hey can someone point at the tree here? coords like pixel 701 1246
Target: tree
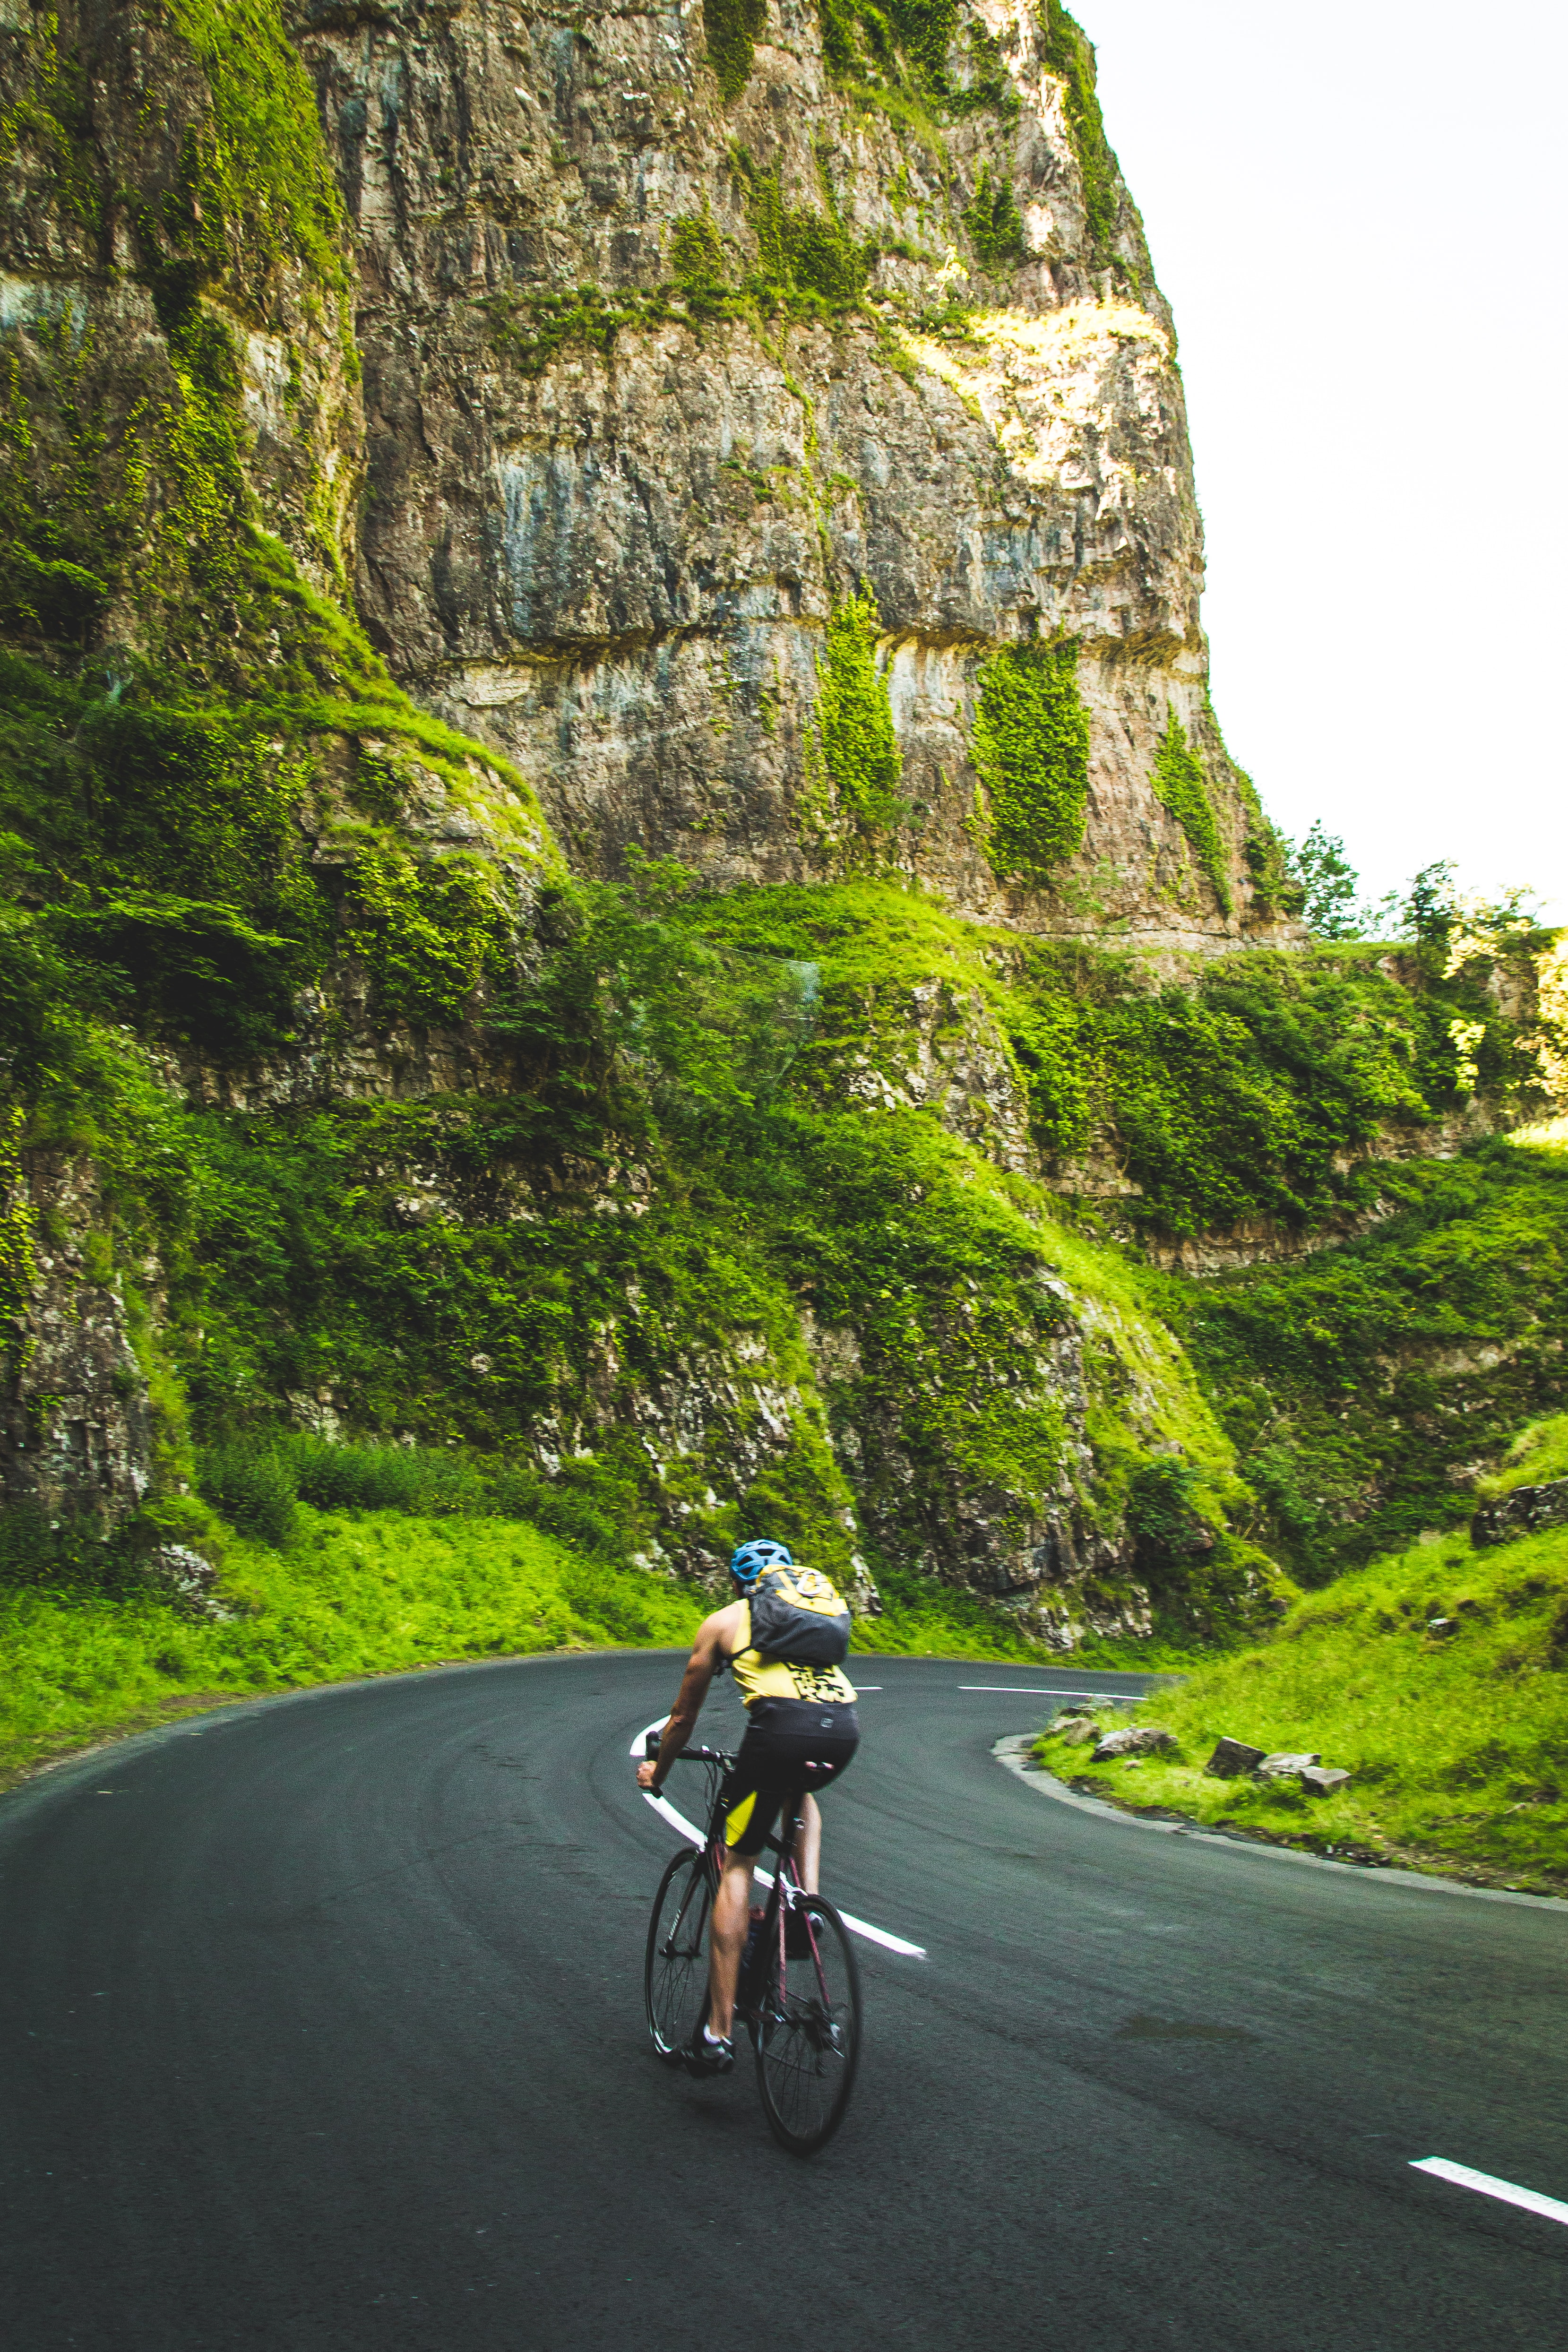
pixel 1329 884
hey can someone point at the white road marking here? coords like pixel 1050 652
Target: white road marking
pixel 1023 1690
pixel 863 1928
pixel 1488 2185
pixel 695 1836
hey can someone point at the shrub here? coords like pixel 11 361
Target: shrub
pixel 995 224
pixel 254 1489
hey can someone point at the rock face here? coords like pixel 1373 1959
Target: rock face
pixel 619 475
pixel 1522 1513
pixel 76 1428
pixel 762 430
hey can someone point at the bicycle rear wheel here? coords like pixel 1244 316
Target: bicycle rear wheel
pixel 675 1971
pixel 807 2033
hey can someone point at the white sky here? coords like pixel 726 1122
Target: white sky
pixel 1357 216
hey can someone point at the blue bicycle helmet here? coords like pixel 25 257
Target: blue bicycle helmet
pixel 748 1562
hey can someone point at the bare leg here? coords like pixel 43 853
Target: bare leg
pixel 726 1941
pixel 808 1844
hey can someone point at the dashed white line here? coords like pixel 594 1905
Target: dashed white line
pixel 694 1836
pixel 1487 2184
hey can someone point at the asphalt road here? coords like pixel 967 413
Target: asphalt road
pixel 321 2026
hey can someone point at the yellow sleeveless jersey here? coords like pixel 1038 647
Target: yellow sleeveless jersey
pixel 758 1678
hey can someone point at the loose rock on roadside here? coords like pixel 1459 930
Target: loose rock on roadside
pixel 1137 1739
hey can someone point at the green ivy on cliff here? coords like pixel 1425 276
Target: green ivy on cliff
pixel 256 188
pixel 52 112
pixel 1180 783
pixel 161 803
pixel 159 848
pixel 1070 55
pixel 808 266
pixel 901 58
pixel 1030 749
pixel 18 1225
pixel 995 224
pixel 733 29
pixel 1256 1091
pixel 696 253
pixel 801 252
pixel 857 799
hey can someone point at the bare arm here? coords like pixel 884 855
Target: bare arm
pixel 709 1653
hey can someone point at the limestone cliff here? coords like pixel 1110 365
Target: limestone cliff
pixel 679 332
pixel 657 377
pixel 450 454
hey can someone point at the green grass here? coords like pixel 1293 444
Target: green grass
pixel 1538 1456
pixel 355 1594
pixel 1458 1744
pixel 373 1592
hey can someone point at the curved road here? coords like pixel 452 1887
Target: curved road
pixel 321 2027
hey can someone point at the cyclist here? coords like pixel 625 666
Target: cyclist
pixel 783 1640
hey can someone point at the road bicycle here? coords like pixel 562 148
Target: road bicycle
pixel 799 1993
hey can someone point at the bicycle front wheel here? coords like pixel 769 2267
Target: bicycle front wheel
pixel 807 2033
pixel 675 1971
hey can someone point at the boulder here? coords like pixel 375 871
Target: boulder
pixel 1137 1739
pixel 1077 1733
pixel 1322 1780
pixel 1283 1766
pixel 1522 1513
pixel 186 1578
pixel 1232 1757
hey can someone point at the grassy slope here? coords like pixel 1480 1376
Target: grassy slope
pixel 379 1593
pixel 1538 1456
pixel 1362 1385
pixel 368 1593
pixel 1458 1744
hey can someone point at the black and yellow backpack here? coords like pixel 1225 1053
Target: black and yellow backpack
pixel 799 1614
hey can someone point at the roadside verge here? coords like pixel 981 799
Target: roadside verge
pixel 1014 1753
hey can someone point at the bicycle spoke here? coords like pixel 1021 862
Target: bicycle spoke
pixel 675 1969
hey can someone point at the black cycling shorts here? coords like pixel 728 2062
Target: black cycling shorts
pixel 791 1744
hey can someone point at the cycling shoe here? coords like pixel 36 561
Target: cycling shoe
pixel 704 2058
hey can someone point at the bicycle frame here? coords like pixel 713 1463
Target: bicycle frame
pixel 806 2033
pixel 784 1896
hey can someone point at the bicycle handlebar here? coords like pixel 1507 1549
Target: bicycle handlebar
pixel 685 1755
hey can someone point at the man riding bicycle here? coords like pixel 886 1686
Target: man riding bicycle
pixel 783 1640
